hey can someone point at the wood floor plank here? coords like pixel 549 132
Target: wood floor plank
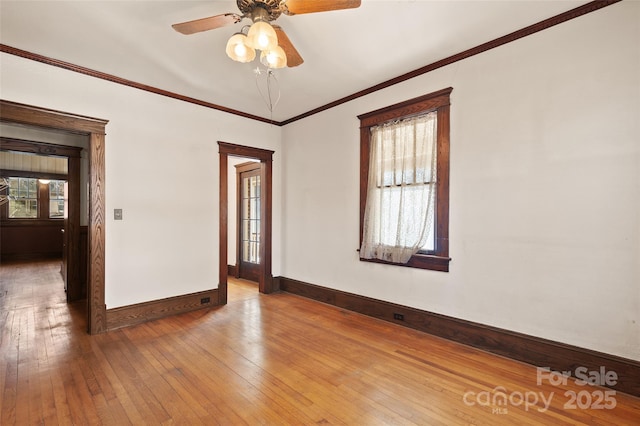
pixel 251 374
pixel 63 413
pixel 190 378
pixel 140 393
pixel 49 413
pixel 277 360
pixel 116 393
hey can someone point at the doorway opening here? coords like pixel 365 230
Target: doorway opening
pixel 94 129
pixel 41 214
pixel 258 242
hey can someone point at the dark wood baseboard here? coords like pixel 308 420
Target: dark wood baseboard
pixel 232 270
pixel 529 349
pixel 126 316
pixel 13 257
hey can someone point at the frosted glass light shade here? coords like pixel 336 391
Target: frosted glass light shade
pixel 238 50
pixel 262 36
pixel 274 58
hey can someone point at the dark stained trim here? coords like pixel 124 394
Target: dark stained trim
pixel 126 316
pixel 524 32
pixel 109 77
pixel 521 347
pixel 15 112
pixel 438 101
pixel 40 148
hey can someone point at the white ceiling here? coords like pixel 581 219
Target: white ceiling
pixel 344 51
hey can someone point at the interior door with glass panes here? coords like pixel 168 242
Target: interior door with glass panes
pixel 249 221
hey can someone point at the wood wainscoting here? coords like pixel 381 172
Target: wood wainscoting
pixel 28 240
pixel 138 313
pixel 232 270
pixel 521 347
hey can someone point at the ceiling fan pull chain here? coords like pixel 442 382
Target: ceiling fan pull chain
pixel 267 93
pixel 270 76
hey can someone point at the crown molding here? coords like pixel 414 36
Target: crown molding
pixel 516 35
pixel 500 41
pixel 109 77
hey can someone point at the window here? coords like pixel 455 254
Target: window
pixel 23 198
pixel 33 198
pixel 404 183
pixel 57 202
pixel 250 216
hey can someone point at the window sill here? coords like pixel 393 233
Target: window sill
pixel 420 261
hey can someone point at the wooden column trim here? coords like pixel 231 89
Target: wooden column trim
pixel 224 228
pixel 265 225
pixel 96 241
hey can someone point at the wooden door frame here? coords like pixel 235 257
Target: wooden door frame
pixel 94 128
pixel 265 281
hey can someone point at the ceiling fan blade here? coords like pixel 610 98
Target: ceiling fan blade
pixel 293 57
pixel 206 24
pixel 298 7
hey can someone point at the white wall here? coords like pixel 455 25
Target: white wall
pixel 545 189
pixel 162 169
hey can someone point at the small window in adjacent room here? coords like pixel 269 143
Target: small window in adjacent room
pixel 404 183
pixel 57 200
pixel 23 198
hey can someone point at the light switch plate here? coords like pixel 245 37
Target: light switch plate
pixel 117 214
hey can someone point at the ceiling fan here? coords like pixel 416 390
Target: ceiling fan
pixel 276 49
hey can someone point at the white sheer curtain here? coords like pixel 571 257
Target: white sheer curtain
pixel 401 189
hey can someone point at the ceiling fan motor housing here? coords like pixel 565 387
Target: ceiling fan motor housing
pixel 254 9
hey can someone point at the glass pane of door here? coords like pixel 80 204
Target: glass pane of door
pixel 250 236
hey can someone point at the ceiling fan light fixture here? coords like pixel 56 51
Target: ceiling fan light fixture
pixel 239 50
pixel 262 36
pixel 274 58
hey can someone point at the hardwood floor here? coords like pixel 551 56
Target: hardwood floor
pixel 276 360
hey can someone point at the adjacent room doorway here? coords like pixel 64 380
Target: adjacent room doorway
pixel 94 129
pixel 263 205
pixel 49 221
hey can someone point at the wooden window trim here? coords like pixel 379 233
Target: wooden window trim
pixel 437 101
